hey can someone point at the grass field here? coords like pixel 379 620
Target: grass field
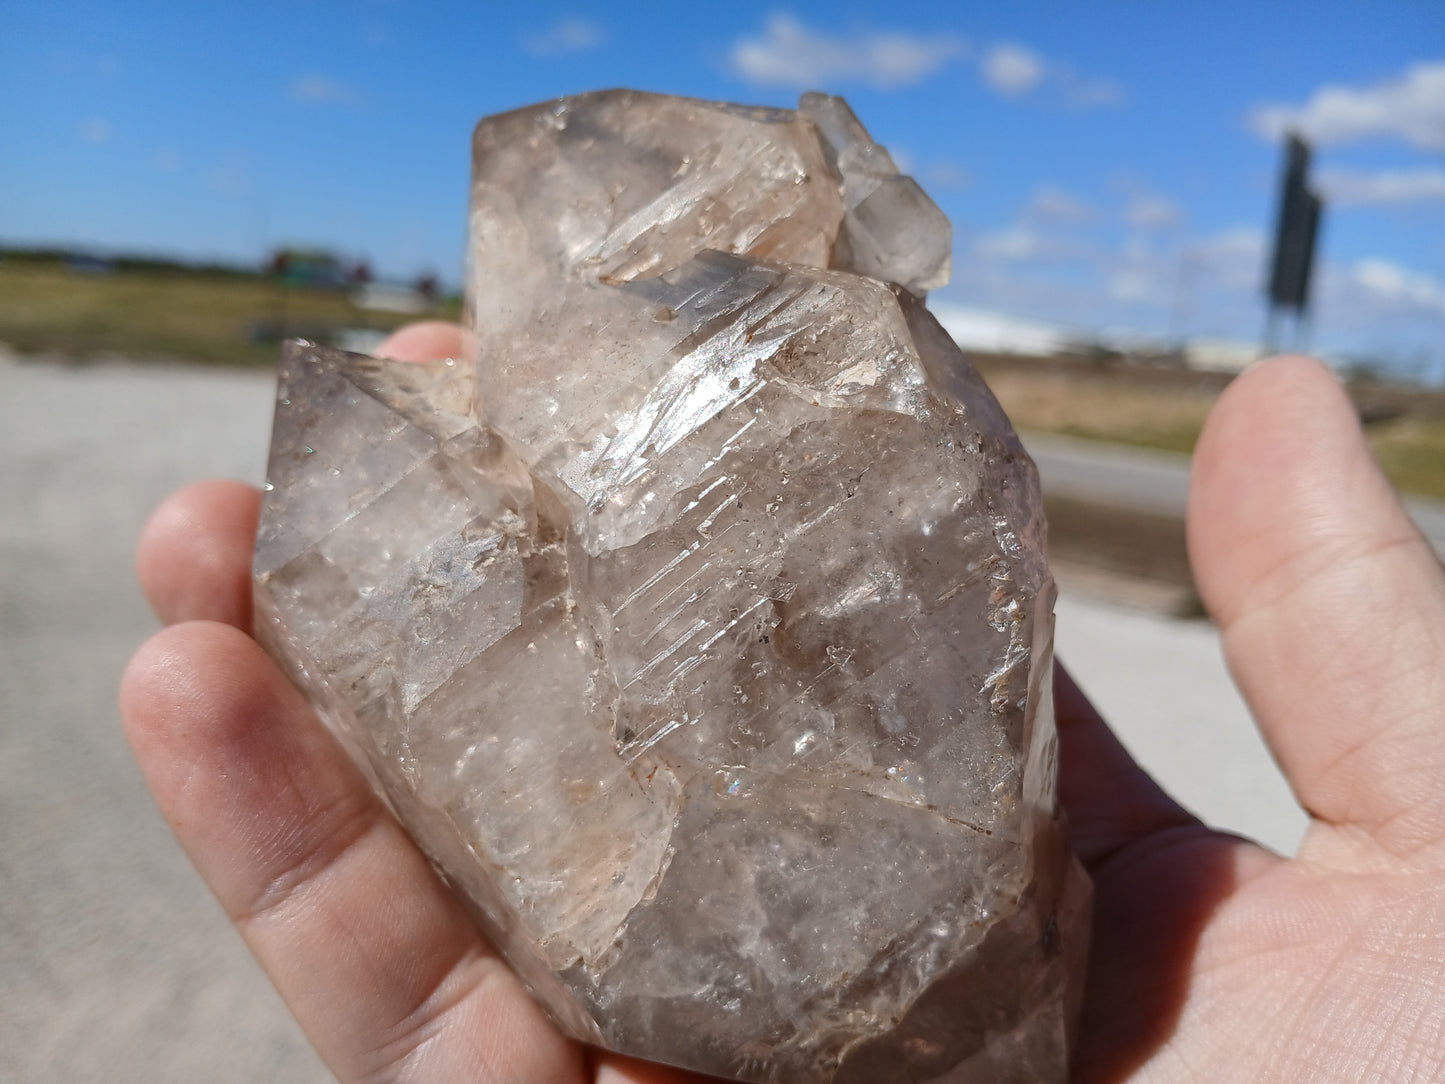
pixel 1410 447
pixel 194 316
pixel 1412 453
pixel 1100 407
pixel 230 318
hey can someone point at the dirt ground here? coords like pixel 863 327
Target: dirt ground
pixel 1138 556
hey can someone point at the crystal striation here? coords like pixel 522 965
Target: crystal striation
pixel 698 626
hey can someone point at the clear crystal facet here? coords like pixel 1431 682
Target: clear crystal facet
pixel 699 627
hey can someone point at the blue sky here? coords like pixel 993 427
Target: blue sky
pixel 1106 166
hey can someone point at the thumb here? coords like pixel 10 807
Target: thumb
pixel 1330 603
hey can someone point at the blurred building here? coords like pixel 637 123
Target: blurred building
pixel 986 332
pixel 1219 355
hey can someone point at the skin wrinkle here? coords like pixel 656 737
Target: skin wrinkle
pixel 1263 928
pixel 442 1013
pixel 1341 1029
pixel 1330 785
pixel 1413 833
pixel 1428 1034
pixel 1390 1032
pixel 1283 1015
pixel 1260 613
pixel 1350 850
pixel 408 1050
pixel 435 1001
pixel 1366 1039
pixel 1300 570
pixel 323 822
pixel 298 873
pixel 1319 790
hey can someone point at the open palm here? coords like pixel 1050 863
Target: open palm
pixel 1213 959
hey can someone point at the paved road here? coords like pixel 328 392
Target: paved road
pixel 115 964
pixel 1148 481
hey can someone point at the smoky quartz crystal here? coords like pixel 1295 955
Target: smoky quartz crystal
pixel 697 625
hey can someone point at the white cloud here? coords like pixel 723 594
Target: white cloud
pixel 1232 259
pixel 96 130
pixel 791 54
pixel 1383 187
pixel 1013 244
pixel 1141 208
pixel 1012 70
pixel 1089 93
pixel 320 90
pixel 931 173
pixel 1134 284
pixel 1410 107
pixel 1137 284
pixel 1236 241
pixel 948 175
pixel 1056 205
pixel 565 36
pixel 999 333
pixel 1145 211
pixel 229 178
pixel 376 34
pixel 1399 286
pixel 1138 273
pixel 904 160
pixel 1032 241
pixel 1209 286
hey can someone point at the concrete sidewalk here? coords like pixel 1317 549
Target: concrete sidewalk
pixel 115 964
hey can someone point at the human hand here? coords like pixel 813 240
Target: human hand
pixel 1213 959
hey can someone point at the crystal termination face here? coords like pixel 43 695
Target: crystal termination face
pixel 698 627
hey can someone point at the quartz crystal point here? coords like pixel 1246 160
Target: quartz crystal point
pixel 698 627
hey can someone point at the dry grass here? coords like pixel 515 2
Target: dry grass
pixel 193 316
pixel 1412 453
pixel 1102 408
pixel 1112 406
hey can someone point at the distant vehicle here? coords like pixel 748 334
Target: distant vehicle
pixel 301 267
pixel 84 263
